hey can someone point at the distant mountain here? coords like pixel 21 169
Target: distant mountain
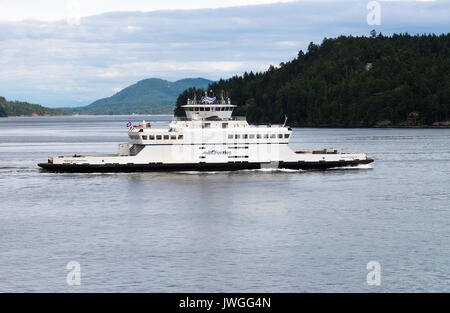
pixel 148 96
pixel 17 108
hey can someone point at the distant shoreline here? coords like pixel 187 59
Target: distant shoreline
pixel 447 126
pixel 36 115
pixel 368 126
pixel 86 115
pixel 381 127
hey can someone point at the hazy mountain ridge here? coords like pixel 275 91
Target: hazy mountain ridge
pixel 148 96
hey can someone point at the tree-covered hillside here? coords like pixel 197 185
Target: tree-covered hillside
pixel 18 108
pixel 2 112
pixel 148 96
pixel 350 81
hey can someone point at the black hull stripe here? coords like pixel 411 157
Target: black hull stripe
pixel 159 167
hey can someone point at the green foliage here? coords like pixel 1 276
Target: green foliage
pixel 184 96
pixel 349 81
pixel 17 108
pixel 2 111
pixel 149 96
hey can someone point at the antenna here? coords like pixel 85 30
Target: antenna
pixel 285 120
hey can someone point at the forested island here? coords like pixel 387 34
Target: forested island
pixel 18 108
pixel 400 80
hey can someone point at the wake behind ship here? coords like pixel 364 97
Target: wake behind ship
pixel 209 138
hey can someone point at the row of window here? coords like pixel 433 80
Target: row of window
pixel 196 109
pixel 230 157
pixel 160 137
pixel 258 136
pixel 230 136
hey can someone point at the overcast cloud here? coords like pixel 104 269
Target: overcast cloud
pixel 59 64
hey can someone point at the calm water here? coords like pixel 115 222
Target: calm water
pixel 224 232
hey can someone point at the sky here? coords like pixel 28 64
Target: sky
pixel 69 53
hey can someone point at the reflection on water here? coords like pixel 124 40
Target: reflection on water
pixel 274 231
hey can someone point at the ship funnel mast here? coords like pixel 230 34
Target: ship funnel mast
pixel 285 120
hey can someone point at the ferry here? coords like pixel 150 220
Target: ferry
pixel 209 138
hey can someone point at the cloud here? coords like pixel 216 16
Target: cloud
pixel 143 68
pixel 57 64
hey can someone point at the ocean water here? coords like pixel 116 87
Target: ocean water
pixel 246 231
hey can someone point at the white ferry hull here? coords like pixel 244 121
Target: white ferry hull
pixel 306 162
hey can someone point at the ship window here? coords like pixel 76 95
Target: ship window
pixel 244 136
pixel 202 109
pixel 252 136
pixel 237 136
pixel 207 125
pixel 166 137
pixel 224 125
pixel 286 135
pixel 272 136
pixel 180 137
pixel 266 136
pixel 158 137
pixel 144 137
pixel 196 109
pixel 230 136
pixel 280 135
pixel 173 137
pixel 151 137
pixel 207 109
pixel 258 136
